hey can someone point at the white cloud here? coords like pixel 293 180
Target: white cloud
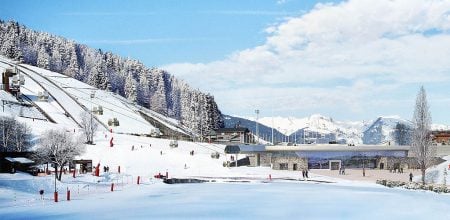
pixel 339 55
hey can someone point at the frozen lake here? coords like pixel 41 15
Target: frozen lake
pixel 245 201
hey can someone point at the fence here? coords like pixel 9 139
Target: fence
pixel 78 190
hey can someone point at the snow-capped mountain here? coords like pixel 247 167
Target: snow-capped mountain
pixel 382 130
pixel 317 129
pixel 313 129
pixel 322 129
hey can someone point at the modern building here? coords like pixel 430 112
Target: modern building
pixel 10 162
pixel 326 156
pixel 231 135
pixel 441 137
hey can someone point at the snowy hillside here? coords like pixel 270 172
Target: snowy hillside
pixel 70 98
pixel 151 88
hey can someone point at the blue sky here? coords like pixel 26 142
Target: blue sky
pixel 351 60
pixel 157 32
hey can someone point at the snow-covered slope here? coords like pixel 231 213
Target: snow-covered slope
pixel 70 98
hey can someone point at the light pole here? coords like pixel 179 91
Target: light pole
pixel 279 134
pixel 272 130
pixel 90 125
pixel 257 128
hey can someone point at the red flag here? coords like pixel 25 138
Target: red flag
pixel 111 144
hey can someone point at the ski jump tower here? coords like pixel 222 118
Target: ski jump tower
pixel 17 80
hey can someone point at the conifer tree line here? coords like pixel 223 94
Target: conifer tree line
pixel 152 88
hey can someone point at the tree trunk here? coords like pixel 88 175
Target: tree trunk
pixel 423 169
pixel 60 172
pixel 56 171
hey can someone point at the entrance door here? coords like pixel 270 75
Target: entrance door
pixel 294 167
pixel 335 164
pixel 381 166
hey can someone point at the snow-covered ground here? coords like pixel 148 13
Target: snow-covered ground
pixel 242 193
pixel 257 200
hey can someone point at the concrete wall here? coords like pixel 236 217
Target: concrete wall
pixel 301 163
pixel 269 159
pixel 442 150
pixel 393 162
pixel 260 159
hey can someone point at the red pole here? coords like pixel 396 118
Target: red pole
pixel 118 169
pixel 56 196
pixel 68 194
pixel 97 170
pixel 112 187
pixel 139 178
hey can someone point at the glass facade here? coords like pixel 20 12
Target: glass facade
pixel 349 159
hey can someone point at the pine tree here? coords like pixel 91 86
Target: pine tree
pixel 150 87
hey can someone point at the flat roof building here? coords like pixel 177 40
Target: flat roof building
pixel 325 156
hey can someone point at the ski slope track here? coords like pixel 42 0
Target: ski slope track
pixel 70 98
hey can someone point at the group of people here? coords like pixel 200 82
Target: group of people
pixel 396 170
pixel 191 152
pixel 105 169
pixel 142 146
pixel 305 173
pixel 341 171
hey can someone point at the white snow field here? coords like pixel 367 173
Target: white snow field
pixel 276 199
pixel 232 193
pixel 235 193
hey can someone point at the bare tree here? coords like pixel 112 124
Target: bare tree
pixel 89 126
pixel 58 148
pixel 7 127
pixel 421 139
pixel 22 137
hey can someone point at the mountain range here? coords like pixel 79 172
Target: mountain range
pixel 322 129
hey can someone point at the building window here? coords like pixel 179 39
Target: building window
pixel 283 166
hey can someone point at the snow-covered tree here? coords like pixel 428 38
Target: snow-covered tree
pixel 150 87
pixel 422 146
pixel 43 59
pixel 59 148
pixel 89 125
pixel 130 88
